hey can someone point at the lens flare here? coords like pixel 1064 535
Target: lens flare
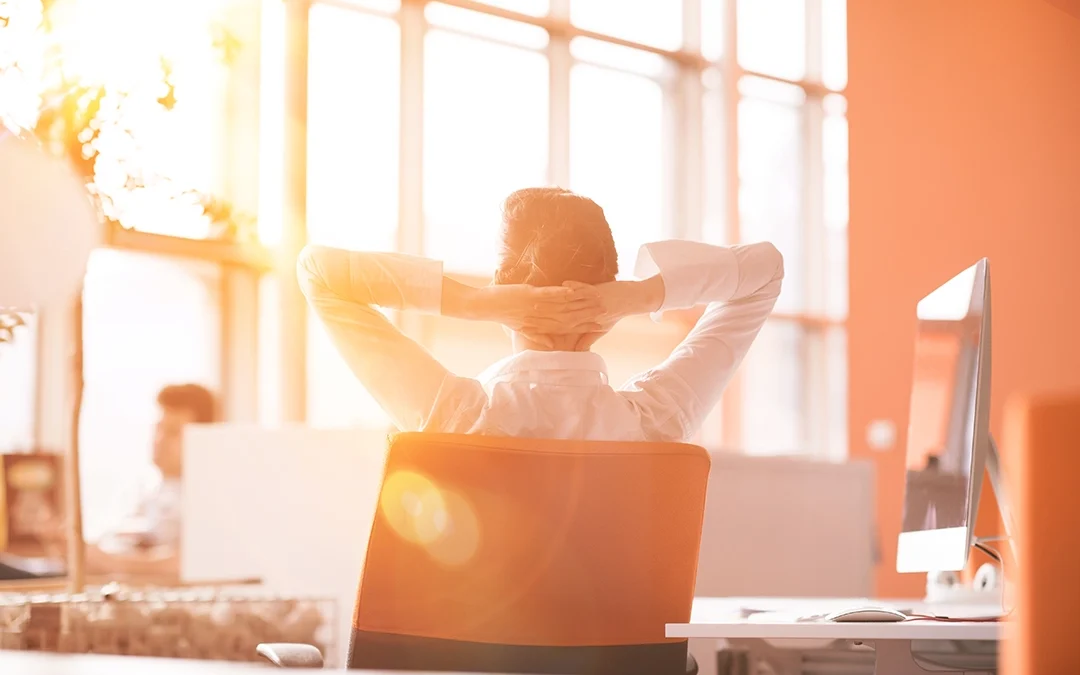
pixel 442 522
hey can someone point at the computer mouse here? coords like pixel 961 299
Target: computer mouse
pixel 867 615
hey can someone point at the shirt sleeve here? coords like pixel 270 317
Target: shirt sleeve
pixel 740 285
pixel 344 288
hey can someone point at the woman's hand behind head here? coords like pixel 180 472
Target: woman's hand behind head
pixel 620 299
pixel 544 315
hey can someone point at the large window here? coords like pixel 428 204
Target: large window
pixel 719 120
pixel 171 296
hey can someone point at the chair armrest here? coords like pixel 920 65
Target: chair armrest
pixel 287 655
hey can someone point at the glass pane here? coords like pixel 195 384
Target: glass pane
pixel 600 53
pixel 835 180
pixel 335 397
pixel 774 382
pixel 18 382
pixel 712 29
pixel 650 22
pixel 485 135
pixel 486 25
pixel 531 7
pixel 836 394
pixel 149 322
pixel 381 6
pixel 771 187
pixel 771 37
pixel 353 106
pixel 616 153
pixel 834 43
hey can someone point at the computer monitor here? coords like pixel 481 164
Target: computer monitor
pixel 948 440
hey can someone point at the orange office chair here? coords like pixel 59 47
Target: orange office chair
pixel 515 555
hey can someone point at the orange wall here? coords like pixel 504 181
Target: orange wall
pixel 965 142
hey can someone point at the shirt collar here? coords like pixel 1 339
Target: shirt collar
pixel 541 366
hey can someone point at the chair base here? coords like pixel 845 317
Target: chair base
pixel 288 655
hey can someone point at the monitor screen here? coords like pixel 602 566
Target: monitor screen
pixel 942 435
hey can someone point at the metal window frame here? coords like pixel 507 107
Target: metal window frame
pixel 683 191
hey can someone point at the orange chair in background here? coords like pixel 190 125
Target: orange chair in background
pixel 529 556
pixel 1042 439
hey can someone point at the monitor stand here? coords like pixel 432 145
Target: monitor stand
pixel 997 484
pixel 962 595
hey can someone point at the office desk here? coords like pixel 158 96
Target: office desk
pixel 775 624
pixel 37 663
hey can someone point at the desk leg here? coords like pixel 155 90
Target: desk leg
pixel 893 657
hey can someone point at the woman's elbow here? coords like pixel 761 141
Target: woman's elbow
pixel 311 262
pixel 772 258
pixel 308 260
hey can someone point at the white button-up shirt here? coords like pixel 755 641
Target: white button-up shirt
pixel 546 394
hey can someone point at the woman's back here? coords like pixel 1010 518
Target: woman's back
pixel 556 395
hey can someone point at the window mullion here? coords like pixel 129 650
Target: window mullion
pixel 294 315
pixel 239 293
pixel 691 25
pixel 410 232
pixel 816 403
pixel 682 198
pixel 560 64
pixel 813 206
pixel 410 235
pixel 732 401
pixel 814 49
pixel 815 390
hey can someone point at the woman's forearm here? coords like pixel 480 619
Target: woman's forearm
pixel 388 280
pixel 459 300
pixel 650 294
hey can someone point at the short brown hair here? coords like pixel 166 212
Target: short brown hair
pixel 552 235
pixel 191 397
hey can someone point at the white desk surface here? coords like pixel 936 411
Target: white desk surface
pixel 39 663
pixel 777 619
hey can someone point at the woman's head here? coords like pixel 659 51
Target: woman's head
pixel 551 236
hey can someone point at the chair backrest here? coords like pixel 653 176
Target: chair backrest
pixel 528 555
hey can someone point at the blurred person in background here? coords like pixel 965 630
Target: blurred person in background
pixel 147 543
pixel 555 290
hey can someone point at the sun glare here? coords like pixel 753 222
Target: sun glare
pixel 121 42
pixel 440 521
